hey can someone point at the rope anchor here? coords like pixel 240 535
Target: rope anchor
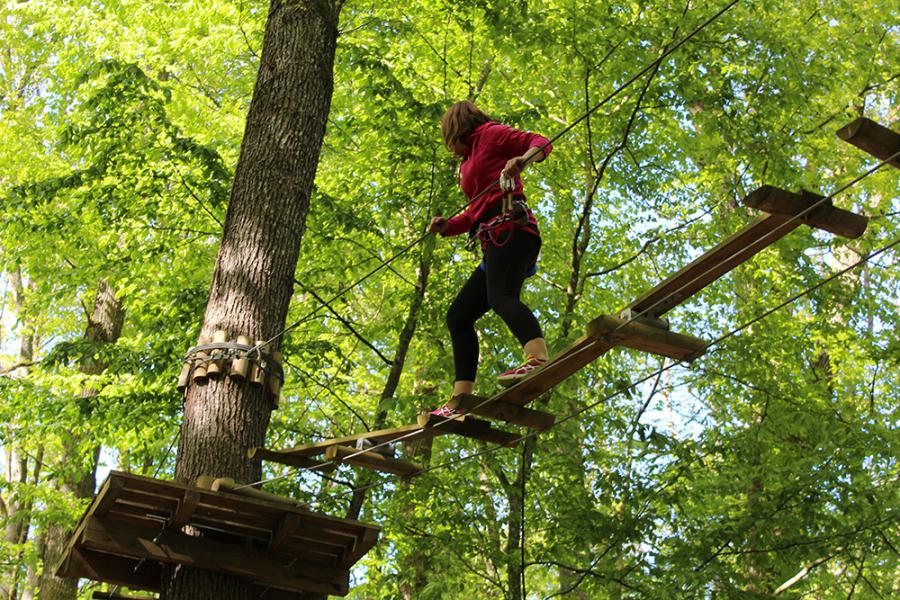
pixel 240 360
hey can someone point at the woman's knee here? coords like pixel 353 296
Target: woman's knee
pixel 459 318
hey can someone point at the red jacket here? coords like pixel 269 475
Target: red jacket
pixel 491 145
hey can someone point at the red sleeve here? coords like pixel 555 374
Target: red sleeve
pixel 458 224
pixel 514 142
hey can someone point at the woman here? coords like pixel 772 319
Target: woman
pixel 509 238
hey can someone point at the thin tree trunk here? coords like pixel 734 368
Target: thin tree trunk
pixel 253 279
pixel 104 327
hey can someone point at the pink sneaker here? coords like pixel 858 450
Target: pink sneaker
pixel 445 412
pixel 531 364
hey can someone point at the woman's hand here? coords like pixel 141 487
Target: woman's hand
pixel 514 166
pixel 438 224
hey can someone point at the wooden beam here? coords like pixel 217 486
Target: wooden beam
pixel 288 526
pixel 561 366
pixel 373 460
pixel 290 459
pixel 467 427
pixel 108 536
pixel 647 338
pixel 712 265
pixel 186 507
pixel 317 448
pixel 824 216
pixel 502 411
pixel 869 136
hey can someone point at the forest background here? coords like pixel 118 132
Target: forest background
pixel 768 467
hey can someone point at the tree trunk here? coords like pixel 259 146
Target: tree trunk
pixel 253 279
pixel 104 327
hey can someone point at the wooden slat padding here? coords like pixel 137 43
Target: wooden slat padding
pixel 809 208
pixel 502 411
pixel 558 368
pixel 712 265
pixel 467 427
pixel 869 136
pixel 372 460
pixel 647 338
pixel 103 535
pixel 376 437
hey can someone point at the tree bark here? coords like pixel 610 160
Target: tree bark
pixel 253 278
pixel 104 327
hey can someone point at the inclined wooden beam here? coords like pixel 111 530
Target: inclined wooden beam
pixel 502 411
pixel 467 427
pixel 185 510
pixel 319 447
pixel 869 136
pixel 642 336
pixel 558 368
pixel 809 208
pixel 373 460
pixel 287 527
pixel 710 266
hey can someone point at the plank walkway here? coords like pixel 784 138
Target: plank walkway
pixel 637 326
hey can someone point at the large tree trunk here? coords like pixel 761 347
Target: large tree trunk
pixel 253 279
pixel 104 326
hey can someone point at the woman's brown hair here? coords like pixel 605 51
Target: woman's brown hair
pixel 460 120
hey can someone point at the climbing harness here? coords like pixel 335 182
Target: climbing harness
pixel 513 215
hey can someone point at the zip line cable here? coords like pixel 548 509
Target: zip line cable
pixel 257 348
pixel 595 341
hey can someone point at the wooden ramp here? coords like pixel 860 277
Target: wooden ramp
pixel 133 529
pixel 637 326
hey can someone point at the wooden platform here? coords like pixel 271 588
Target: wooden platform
pixel 134 527
pixel 869 136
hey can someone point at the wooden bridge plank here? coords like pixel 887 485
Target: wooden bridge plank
pixel 869 136
pixel 712 265
pixel 469 427
pixel 372 460
pixel 639 335
pixel 502 411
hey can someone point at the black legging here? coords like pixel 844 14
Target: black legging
pixel 496 287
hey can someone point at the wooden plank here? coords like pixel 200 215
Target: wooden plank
pixel 117 570
pixel 103 535
pixel 647 338
pixel 809 208
pixel 292 460
pixel 186 507
pixel 110 596
pixel 107 496
pixel 289 525
pixel 371 459
pixel 561 366
pixel 712 265
pixel 502 411
pixel 364 544
pixel 869 136
pixel 376 437
pixel 469 427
